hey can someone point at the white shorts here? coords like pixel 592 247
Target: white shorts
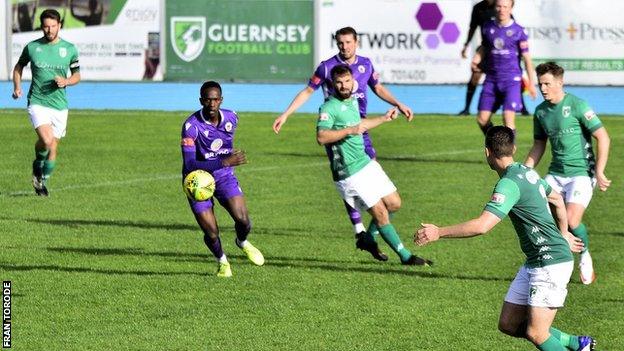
pixel 40 115
pixel 541 286
pixel 577 189
pixel 365 188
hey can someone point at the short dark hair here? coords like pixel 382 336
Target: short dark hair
pixel 549 67
pixel 50 13
pixel 500 141
pixel 345 31
pixel 339 70
pixel 211 84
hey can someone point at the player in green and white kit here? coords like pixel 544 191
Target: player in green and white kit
pixel 50 59
pixel 361 181
pixel 540 287
pixel 570 124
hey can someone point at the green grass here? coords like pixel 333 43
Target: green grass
pixel 114 260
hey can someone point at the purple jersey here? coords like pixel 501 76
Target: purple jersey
pixel 503 48
pixel 363 74
pixel 209 142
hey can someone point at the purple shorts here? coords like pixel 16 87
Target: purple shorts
pixel 368 146
pixel 505 93
pixel 226 187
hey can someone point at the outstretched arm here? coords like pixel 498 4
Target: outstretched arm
pixel 386 96
pixel 478 226
pixel 536 153
pixel 297 102
pixel 604 142
pixel 328 136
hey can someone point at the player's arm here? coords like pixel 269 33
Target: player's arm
pixel 477 58
pixel 559 212
pixel 328 136
pixel 528 65
pixel 324 135
pixel 536 153
pixel 17 81
pixel 604 142
pixel 74 78
pixel 297 102
pixel 474 23
pixel 387 96
pixel 477 226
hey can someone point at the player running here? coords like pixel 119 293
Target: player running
pixel 208 144
pixel 570 124
pixel 364 75
pixel 540 286
pixel 50 58
pixel 361 181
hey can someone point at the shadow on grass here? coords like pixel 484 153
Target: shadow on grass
pixel 368 266
pixel 414 158
pixel 50 267
pixel 227 229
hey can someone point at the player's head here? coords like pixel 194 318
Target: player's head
pixel 346 40
pixel 550 80
pixel 503 10
pixel 210 97
pixel 499 143
pixel 50 24
pixel 342 79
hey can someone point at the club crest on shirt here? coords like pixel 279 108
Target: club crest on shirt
pixel 499 43
pixel 498 198
pixel 216 144
pixel 228 126
pixel 589 115
pixel 62 52
pixel 565 111
pixel 361 69
pixel 509 32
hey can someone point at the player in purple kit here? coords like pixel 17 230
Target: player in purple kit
pixel 364 75
pixel 207 143
pixel 504 43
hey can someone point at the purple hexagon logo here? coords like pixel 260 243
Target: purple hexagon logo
pixel 449 32
pixel 429 16
pixel 432 41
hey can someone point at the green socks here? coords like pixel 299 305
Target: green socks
pixel 551 344
pixel 391 237
pixel 566 340
pixel 581 233
pixel 48 167
pixel 40 159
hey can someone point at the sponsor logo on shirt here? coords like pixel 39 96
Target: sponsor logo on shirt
pixel 323 117
pixel 228 126
pixel 566 111
pixel 216 144
pixel 589 115
pixel 315 80
pixel 188 142
pixel 499 43
pixel 498 198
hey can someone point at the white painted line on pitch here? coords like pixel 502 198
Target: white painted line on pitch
pixel 242 170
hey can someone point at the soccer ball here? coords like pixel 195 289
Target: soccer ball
pixel 199 185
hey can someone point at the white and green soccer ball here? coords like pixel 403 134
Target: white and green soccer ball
pixel 199 185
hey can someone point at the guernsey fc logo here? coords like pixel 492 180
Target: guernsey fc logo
pixel 566 111
pixel 188 36
pixel 62 52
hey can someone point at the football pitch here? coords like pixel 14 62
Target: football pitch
pixel 113 259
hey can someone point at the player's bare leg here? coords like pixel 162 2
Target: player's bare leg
pixel 577 228
pixel 484 120
pixel 509 120
pixel 237 209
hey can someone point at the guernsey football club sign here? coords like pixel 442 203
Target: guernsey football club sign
pixel 188 36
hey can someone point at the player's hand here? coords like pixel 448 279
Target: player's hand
pixel 361 128
pixel 406 111
pixel 391 114
pixel 426 234
pixel 602 182
pixel 17 93
pixel 236 158
pixel 61 82
pixel 474 66
pixel 279 121
pixel 532 91
pixel 576 244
